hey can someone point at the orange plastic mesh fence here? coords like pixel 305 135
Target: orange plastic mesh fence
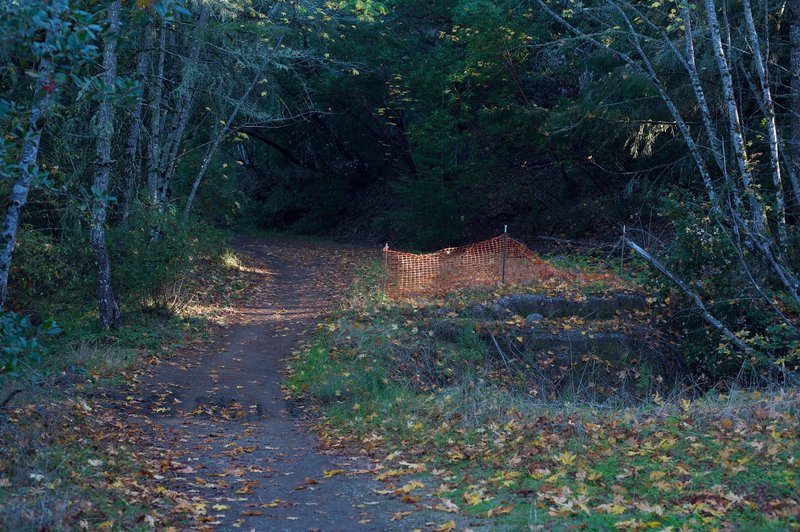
pixel 479 264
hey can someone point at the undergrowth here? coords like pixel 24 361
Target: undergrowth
pixel 67 461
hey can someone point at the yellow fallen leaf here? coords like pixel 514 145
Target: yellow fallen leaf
pixel 274 504
pixel 411 486
pixel 221 507
pixel 399 515
pixel 450 525
pixel 566 458
pixel 500 510
pixel 472 498
pixel 392 473
pixel 332 473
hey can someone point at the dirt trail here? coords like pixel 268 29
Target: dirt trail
pixel 225 417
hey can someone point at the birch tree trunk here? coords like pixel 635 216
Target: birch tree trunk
pixel 106 299
pixel 734 122
pixel 705 111
pixel 184 108
pixel 42 99
pixel 772 130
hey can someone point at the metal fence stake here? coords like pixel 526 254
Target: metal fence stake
pixel 505 251
pixel 385 268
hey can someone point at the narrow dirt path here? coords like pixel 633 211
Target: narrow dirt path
pixel 243 454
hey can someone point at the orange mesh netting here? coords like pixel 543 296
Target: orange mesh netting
pixel 478 264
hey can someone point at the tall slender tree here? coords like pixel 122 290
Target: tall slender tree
pixel 108 306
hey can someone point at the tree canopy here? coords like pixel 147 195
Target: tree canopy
pixel 132 127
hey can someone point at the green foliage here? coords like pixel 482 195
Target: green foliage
pixel 220 200
pixel 20 341
pixel 69 45
pixel 465 117
pixel 433 215
pixel 47 265
pixel 701 244
pixel 151 265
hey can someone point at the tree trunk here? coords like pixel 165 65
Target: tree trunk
pixel 734 123
pixel 707 316
pixel 691 66
pixel 106 299
pixel 772 130
pixel 184 107
pixel 216 144
pixel 794 101
pixel 30 150
pixel 132 168
pixel 154 143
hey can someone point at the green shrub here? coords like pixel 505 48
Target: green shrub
pixel 47 265
pixel 702 251
pixel 155 253
pixel 20 341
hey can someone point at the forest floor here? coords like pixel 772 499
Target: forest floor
pixel 238 448
pixel 313 403
pixel 183 423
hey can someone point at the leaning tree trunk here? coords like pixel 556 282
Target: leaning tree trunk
pixel 106 299
pixel 30 151
pixel 216 144
pixel 183 112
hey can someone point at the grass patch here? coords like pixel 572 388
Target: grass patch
pixel 389 381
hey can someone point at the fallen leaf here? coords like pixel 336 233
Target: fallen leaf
pixel 499 510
